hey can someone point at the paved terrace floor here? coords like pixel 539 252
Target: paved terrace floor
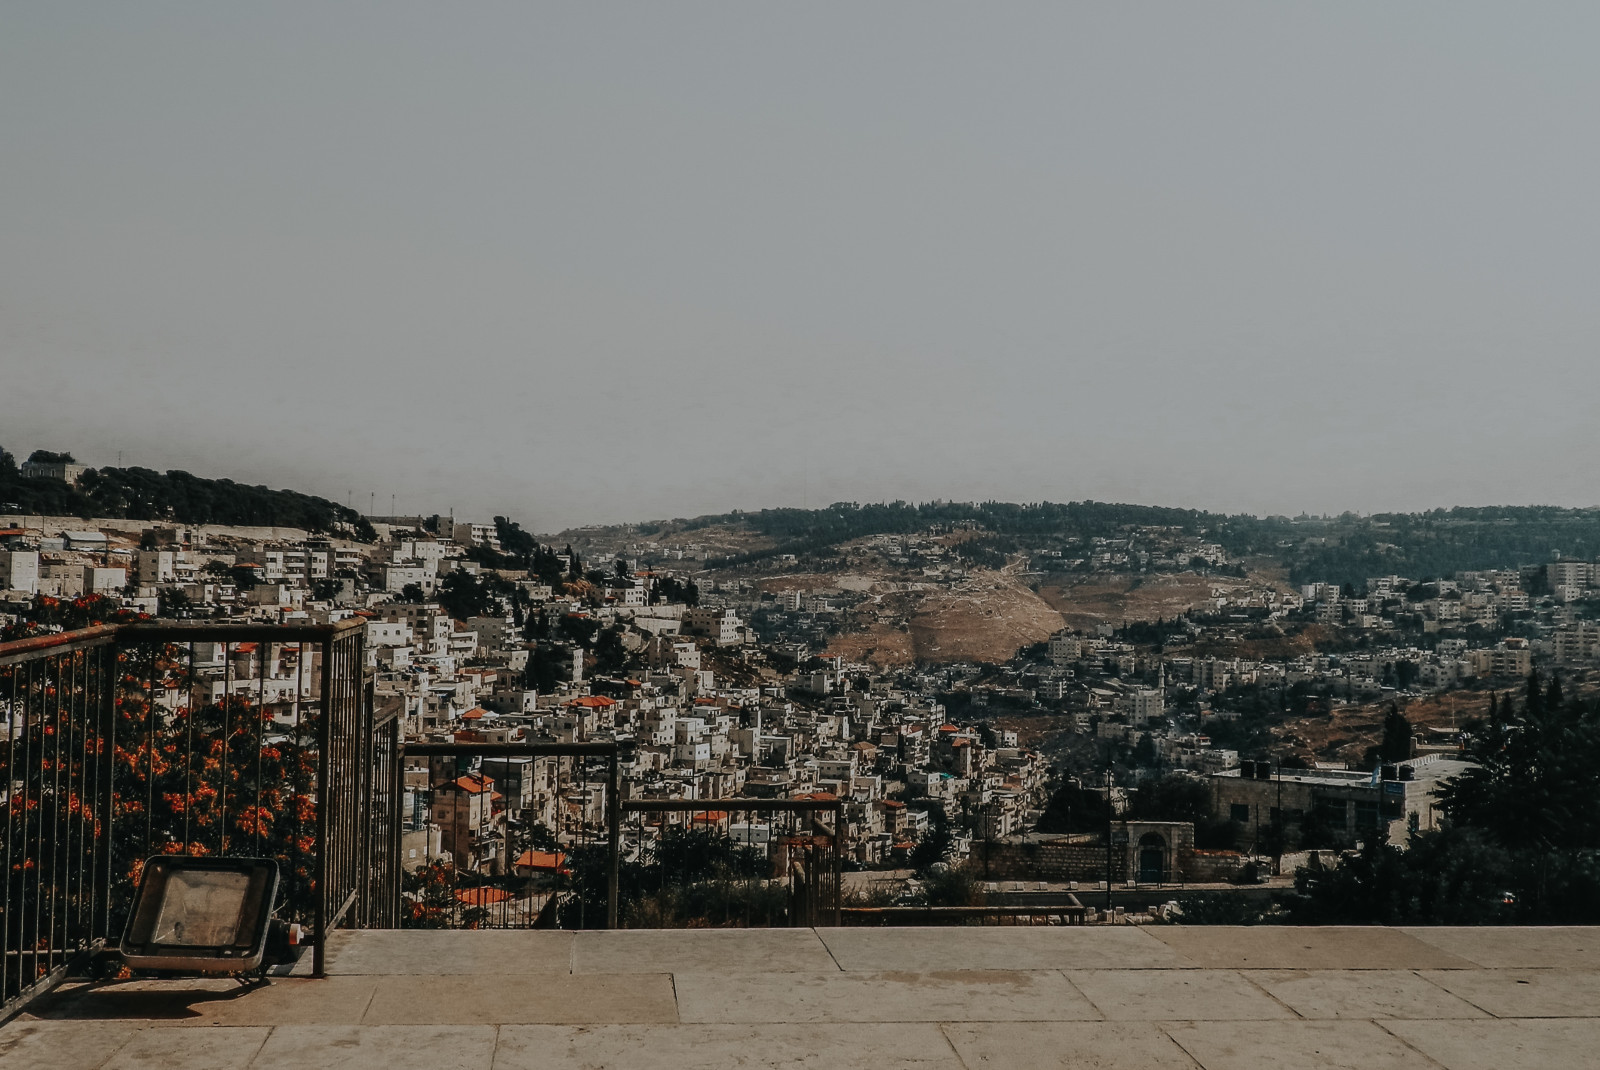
pixel 1114 998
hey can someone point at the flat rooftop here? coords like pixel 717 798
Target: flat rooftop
pixel 1136 997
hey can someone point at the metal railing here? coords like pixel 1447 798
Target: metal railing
pixel 1066 912
pixel 545 862
pixel 732 862
pixel 56 788
pixel 122 742
pixel 127 741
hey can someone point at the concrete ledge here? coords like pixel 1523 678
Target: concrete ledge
pixel 1113 998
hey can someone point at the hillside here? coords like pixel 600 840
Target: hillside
pixel 1339 549
pixel 176 497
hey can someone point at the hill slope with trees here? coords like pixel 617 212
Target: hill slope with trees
pixel 174 496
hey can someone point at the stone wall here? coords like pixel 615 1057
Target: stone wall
pixel 1049 861
pixel 1074 860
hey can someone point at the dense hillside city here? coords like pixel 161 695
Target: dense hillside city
pixel 976 682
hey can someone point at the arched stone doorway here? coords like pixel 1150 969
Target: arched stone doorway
pixel 1152 858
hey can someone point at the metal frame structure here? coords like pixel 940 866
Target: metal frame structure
pixel 85 725
pixel 106 727
pixel 606 750
pixel 815 877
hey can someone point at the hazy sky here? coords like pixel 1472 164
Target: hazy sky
pixel 597 262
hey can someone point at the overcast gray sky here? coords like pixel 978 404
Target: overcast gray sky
pixel 598 262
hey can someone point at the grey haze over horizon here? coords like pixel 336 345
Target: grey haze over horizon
pixel 590 264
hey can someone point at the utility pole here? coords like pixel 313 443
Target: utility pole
pixel 1110 813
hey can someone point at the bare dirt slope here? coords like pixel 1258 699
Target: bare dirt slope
pixel 985 618
pixel 1100 598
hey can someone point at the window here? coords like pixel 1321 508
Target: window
pixel 1366 815
pixel 1330 812
pixel 1239 812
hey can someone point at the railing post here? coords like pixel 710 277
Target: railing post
pixel 392 888
pixel 366 756
pixel 838 863
pixel 324 799
pixel 614 832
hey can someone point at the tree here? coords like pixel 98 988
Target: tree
pixel 1144 752
pixel 1536 781
pixel 1396 745
pixel 1449 877
pixel 430 902
pixel 547 664
pixel 1073 808
pixel 171 601
pixel 1521 837
pixel 610 655
pixel 412 592
pixel 932 848
pixel 514 541
pixel 464 596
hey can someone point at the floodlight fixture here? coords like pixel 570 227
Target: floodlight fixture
pixel 206 915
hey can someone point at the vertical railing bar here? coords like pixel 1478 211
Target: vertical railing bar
pixel 50 733
pixel 363 772
pixel 297 776
pixel 68 900
pixel 83 782
pixel 27 804
pixel 61 820
pixel 150 754
pixel 396 797
pixel 97 821
pixel 260 740
pixel 11 805
pixel 82 693
pixel 341 833
pixel 319 948
pixel 53 727
pixel 188 754
pixel 104 765
pixel 226 761
pixel 614 831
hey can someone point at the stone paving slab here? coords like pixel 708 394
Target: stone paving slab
pixel 490 1000
pixel 961 995
pixel 212 1002
pixel 396 1047
pixel 1517 946
pixel 700 951
pixel 1525 993
pixel 1067 1046
pixel 1300 1045
pixel 1361 994
pixel 1305 947
pixel 445 951
pixel 1160 995
pixel 1505 1044
pixel 33 1045
pixel 1000 948
pixel 853 1046
pixel 225 1048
